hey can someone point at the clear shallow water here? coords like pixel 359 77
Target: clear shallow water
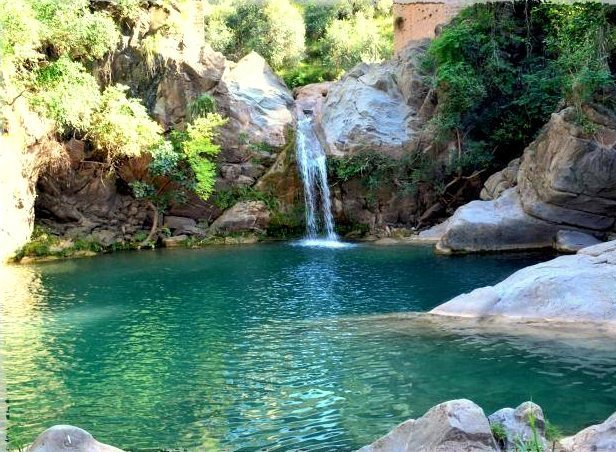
pixel 267 347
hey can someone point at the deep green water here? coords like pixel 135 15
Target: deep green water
pixel 267 347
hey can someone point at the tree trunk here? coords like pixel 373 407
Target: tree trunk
pixel 154 225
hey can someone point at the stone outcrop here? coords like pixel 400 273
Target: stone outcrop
pixel 578 288
pixel 25 149
pixel 568 175
pixel 566 181
pixel 66 438
pixel 497 225
pixel 573 241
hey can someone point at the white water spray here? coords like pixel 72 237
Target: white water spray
pixel 313 169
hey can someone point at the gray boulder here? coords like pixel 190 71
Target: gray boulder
pixel 573 241
pixel 596 438
pixel 457 425
pixel 517 424
pixel 578 288
pixel 496 225
pixel 244 216
pixel 66 438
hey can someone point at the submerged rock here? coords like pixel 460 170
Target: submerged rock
pixel 66 438
pixel 578 288
pixel 454 425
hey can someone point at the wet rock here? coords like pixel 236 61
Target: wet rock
pixel 244 216
pixel 573 241
pixel 503 180
pixel 458 425
pixel 578 288
pixel 517 423
pixel 596 438
pixel 61 438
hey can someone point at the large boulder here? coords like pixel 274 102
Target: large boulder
pixel 66 438
pixel 596 438
pixel 496 225
pixel 577 288
pixel 568 175
pixel 376 108
pixel 457 425
pixel 244 216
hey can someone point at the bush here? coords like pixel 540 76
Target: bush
pixel 351 41
pixel 69 28
pixel 274 29
pixel 121 126
pixel 19 31
pixel 64 92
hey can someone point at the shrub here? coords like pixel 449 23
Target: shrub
pixel 121 126
pixel 200 150
pixel 69 28
pixel 19 31
pixel 64 92
pixel 351 41
pixel 274 29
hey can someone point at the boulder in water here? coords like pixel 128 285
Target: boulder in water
pixel 66 438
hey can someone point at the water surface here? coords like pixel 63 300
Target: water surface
pixel 267 347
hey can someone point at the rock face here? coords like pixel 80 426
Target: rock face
pixel 61 438
pixel 600 437
pixel 568 177
pixel 458 425
pixel 80 200
pixel 579 288
pixel 519 423
pixel 566 181
pixel 25 148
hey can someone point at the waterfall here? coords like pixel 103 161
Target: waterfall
pixel 313 170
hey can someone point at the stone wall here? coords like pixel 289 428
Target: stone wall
pixel 415 20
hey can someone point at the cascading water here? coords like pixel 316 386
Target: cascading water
pixel 313 170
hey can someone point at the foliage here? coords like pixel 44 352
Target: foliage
pixel 121 126
pixel 499 433
pixel 228 198
pixel 199 151
pixel 274 29
pixel 19 31
pixel 66 93
pixel 201 106
pixel 69 28
pixel 354 40
pixel 500 70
